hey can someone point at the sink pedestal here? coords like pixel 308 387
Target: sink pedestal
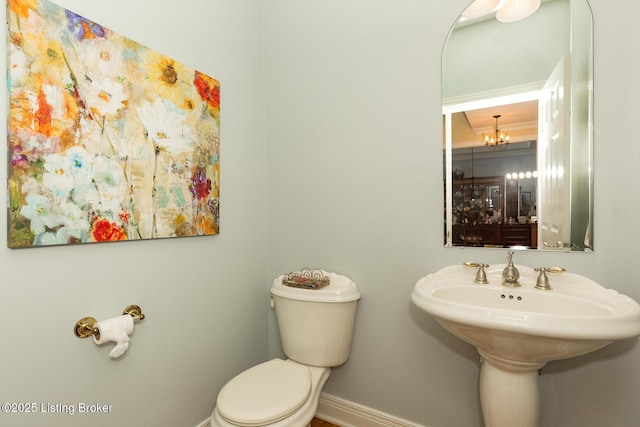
pixel 509 392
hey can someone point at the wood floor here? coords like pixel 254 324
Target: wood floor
pixel 317 422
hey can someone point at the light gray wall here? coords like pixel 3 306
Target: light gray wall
pixel 355 186
pixel 205 298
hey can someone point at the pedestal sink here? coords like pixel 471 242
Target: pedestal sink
pixel 517 330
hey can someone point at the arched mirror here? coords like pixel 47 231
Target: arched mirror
pixel 517 85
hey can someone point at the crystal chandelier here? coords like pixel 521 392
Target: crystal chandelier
pixel 498 140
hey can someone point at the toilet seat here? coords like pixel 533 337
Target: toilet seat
pixel 265 394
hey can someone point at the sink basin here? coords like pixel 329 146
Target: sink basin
pixel 517 330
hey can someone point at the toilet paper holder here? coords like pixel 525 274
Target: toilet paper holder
pixel 85 327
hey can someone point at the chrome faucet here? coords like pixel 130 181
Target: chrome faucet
pixel 510 274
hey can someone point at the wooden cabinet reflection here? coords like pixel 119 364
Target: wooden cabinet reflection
pixel 496 235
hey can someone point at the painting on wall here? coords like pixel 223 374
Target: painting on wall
pixel 108 140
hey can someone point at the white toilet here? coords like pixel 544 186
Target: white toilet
pixel 316 327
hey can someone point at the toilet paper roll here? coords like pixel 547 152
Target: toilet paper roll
pixel 116 329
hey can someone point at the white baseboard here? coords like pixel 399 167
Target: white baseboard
pixel 344 413
pixel 349 414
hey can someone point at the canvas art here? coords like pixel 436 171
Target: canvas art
pixel 108 140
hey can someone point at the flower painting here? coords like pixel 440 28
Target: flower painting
pixel 108 140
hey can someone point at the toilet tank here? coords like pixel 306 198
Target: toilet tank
pixel 316 325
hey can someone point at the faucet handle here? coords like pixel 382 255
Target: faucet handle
pixel 481 275
pixel 543 280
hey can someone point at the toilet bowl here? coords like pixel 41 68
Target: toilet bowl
pixel 277 393
pixel 316 328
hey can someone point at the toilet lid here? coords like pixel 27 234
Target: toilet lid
pixel 265 393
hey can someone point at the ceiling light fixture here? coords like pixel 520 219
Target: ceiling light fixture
pixel 499 139
pixel 480 8
pixel 515 10
pixel 506 10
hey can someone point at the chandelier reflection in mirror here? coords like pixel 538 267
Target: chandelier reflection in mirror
pixel 498 140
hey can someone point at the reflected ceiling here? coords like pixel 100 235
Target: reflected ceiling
pixel 519 120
